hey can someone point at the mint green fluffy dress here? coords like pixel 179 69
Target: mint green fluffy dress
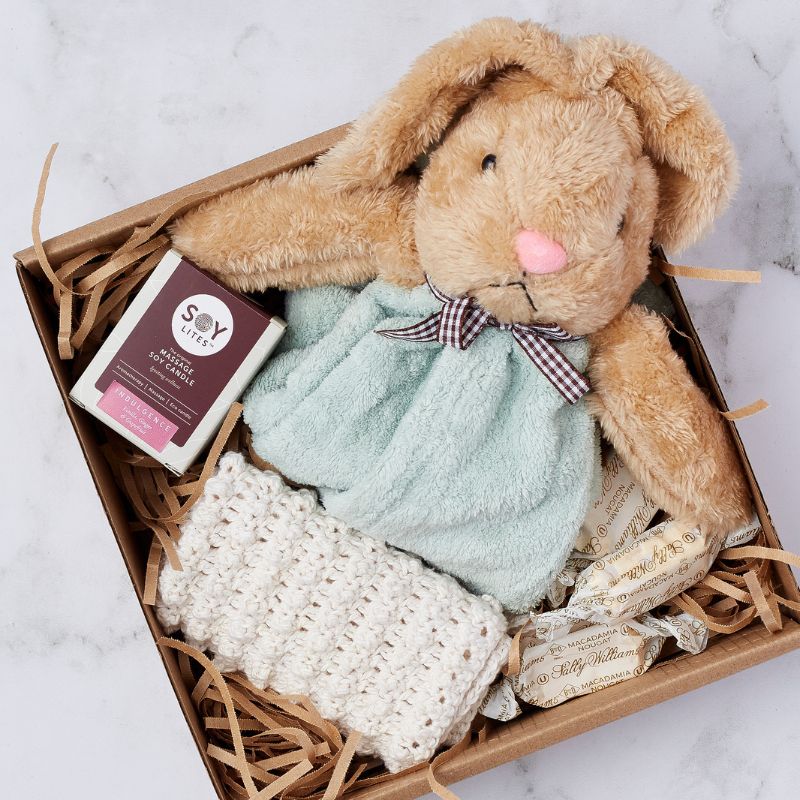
pixel 467 458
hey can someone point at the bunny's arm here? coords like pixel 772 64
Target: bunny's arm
pixel 291 231
pixel 663 426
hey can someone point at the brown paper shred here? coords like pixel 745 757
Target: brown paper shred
pixel 185 666
pixel 334 788
pixel 44 263
pixel 746 411
pixel 170 499
pixel 105 279
pixel 141 235
pixel 99 309
pixel 284 782
pixel 715 583
pixel 230 760
pixel 266 744
pixel 160 500
pixel 690 343
pixel 257 461
pixel 794 605
pixel 287 748
pixel 151 571
pixel 219 681
pixel 117 263
pixel 439 761
pixel 759 599
pixel 709 274
pixel 514 662
pixel 135 458
pixel 65 322
pixel 254 457
pixel 322 749
pixel 726 625
pixel 738 589
pixel 81 265
pixel 483 731
pixel 758 551
pixel 202 689
pixel 228 424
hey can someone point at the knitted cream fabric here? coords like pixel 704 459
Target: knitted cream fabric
pixel 277 588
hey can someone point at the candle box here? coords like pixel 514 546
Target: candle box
pixel 182 352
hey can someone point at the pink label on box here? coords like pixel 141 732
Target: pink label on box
pixel 141 419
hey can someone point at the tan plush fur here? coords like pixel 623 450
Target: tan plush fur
pixel 662 425
pixel 598 144
pixel 289 232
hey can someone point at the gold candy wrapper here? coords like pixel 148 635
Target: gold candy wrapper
pixel 690 634
pixel 620 513
pixel 585 660
pixel 500 702
pixel 653 568
pixel 589 658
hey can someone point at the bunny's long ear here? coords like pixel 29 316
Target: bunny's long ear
pixel 685 139
pixel 412 116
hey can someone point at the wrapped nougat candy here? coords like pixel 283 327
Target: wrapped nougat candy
pixel 690 633
pixel 618 515
pixel 586 659
pixel 589 658
pixel 500 702
pixel 652 569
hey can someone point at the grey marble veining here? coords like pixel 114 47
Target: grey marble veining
pixel 145 97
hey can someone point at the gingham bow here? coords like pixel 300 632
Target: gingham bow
pixel 461 320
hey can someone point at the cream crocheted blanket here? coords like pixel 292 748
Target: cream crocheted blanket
pixel 275 587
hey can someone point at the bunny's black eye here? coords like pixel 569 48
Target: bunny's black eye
pixel 621 225
pixel 489 162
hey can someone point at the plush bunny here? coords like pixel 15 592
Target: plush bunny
pixel 465 432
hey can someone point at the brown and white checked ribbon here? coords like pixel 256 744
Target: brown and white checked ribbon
pixel 461 320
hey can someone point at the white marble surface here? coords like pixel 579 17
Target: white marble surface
pixel 145 97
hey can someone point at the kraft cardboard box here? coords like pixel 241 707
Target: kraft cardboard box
pixel 534 731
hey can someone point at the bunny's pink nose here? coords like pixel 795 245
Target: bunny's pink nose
pixel 538 253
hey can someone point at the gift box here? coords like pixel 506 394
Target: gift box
pixel 535 729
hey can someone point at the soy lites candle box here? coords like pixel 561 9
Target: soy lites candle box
pixel 184 350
